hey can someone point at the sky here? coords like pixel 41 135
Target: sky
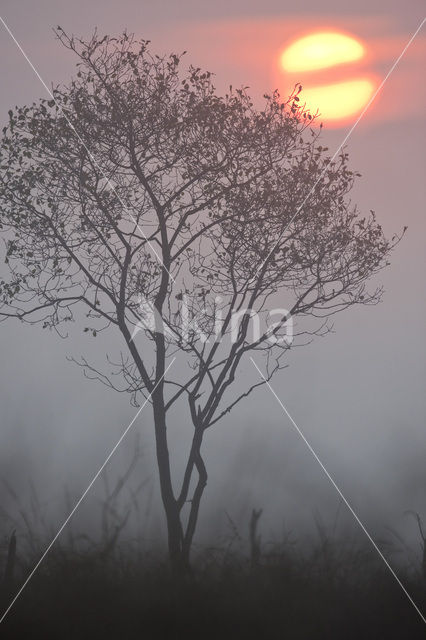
pixel 357 395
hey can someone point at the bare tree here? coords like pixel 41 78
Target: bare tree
pixel 139 187
pixel 422 534
pixel 255 539
pixel 8 579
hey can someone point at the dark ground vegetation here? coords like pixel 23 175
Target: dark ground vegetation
pixel 337 588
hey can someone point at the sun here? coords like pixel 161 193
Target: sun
pixel 321 50
pixel 339 95
pixel 340 100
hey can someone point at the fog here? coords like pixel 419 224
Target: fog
pixel 357 394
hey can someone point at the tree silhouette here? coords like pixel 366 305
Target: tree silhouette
pixel 165 211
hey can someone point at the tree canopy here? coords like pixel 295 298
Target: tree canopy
pixel 137 182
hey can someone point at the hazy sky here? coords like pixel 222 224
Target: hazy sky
pixel 358 395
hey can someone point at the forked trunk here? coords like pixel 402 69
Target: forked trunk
pixel 171 508
pixel 179 539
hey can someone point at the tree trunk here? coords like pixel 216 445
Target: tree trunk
pixel 171 507
pixel 179 540
pixel 195 505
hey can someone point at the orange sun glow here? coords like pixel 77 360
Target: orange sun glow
pixel 338 100
pixel 321 50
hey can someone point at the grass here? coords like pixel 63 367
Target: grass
pixel 335 589
pixel 108 585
